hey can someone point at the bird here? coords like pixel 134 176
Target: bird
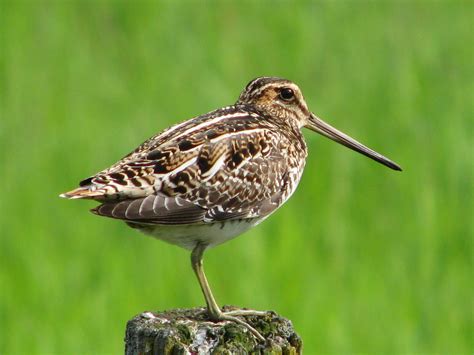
pixel 209 179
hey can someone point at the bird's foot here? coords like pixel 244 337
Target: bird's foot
pixel 232 316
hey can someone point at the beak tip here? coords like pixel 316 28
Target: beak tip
pixel 395 166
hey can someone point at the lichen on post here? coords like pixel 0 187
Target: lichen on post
pixel 187 331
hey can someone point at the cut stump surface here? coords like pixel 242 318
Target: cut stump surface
pixel 187 331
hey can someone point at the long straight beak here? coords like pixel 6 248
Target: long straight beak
pixel 318 125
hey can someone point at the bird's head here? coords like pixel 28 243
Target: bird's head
pixel 276 97
pixel 282 99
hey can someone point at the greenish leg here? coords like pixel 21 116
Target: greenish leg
pixel 213 309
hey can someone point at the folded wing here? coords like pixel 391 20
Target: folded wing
pixel 213 173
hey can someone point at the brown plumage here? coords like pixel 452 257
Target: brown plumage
pixel 206 180
pixel 233 163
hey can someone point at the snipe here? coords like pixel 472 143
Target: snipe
pixel 207 180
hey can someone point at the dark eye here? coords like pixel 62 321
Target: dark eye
pixel 287 94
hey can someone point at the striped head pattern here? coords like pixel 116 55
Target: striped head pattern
pixel 279 98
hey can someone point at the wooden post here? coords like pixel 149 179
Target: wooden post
pixel 186 331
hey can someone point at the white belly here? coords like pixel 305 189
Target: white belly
pixel 187 236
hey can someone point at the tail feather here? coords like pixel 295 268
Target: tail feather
pixel 84 193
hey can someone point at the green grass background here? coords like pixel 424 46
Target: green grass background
pixel 362 259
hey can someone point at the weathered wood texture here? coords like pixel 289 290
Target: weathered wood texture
pixel 186 331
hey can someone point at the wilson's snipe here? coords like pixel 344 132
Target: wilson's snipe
pixel 207 180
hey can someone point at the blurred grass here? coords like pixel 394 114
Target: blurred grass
pixel 362 259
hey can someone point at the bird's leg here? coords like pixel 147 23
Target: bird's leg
pixel 213 309
pixel 196 261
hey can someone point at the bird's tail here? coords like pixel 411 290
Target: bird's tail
pixel 84 193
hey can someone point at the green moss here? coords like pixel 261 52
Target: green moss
pixel 182 330
pixel 184 333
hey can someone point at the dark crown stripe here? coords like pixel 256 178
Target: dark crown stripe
pixel 260 82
